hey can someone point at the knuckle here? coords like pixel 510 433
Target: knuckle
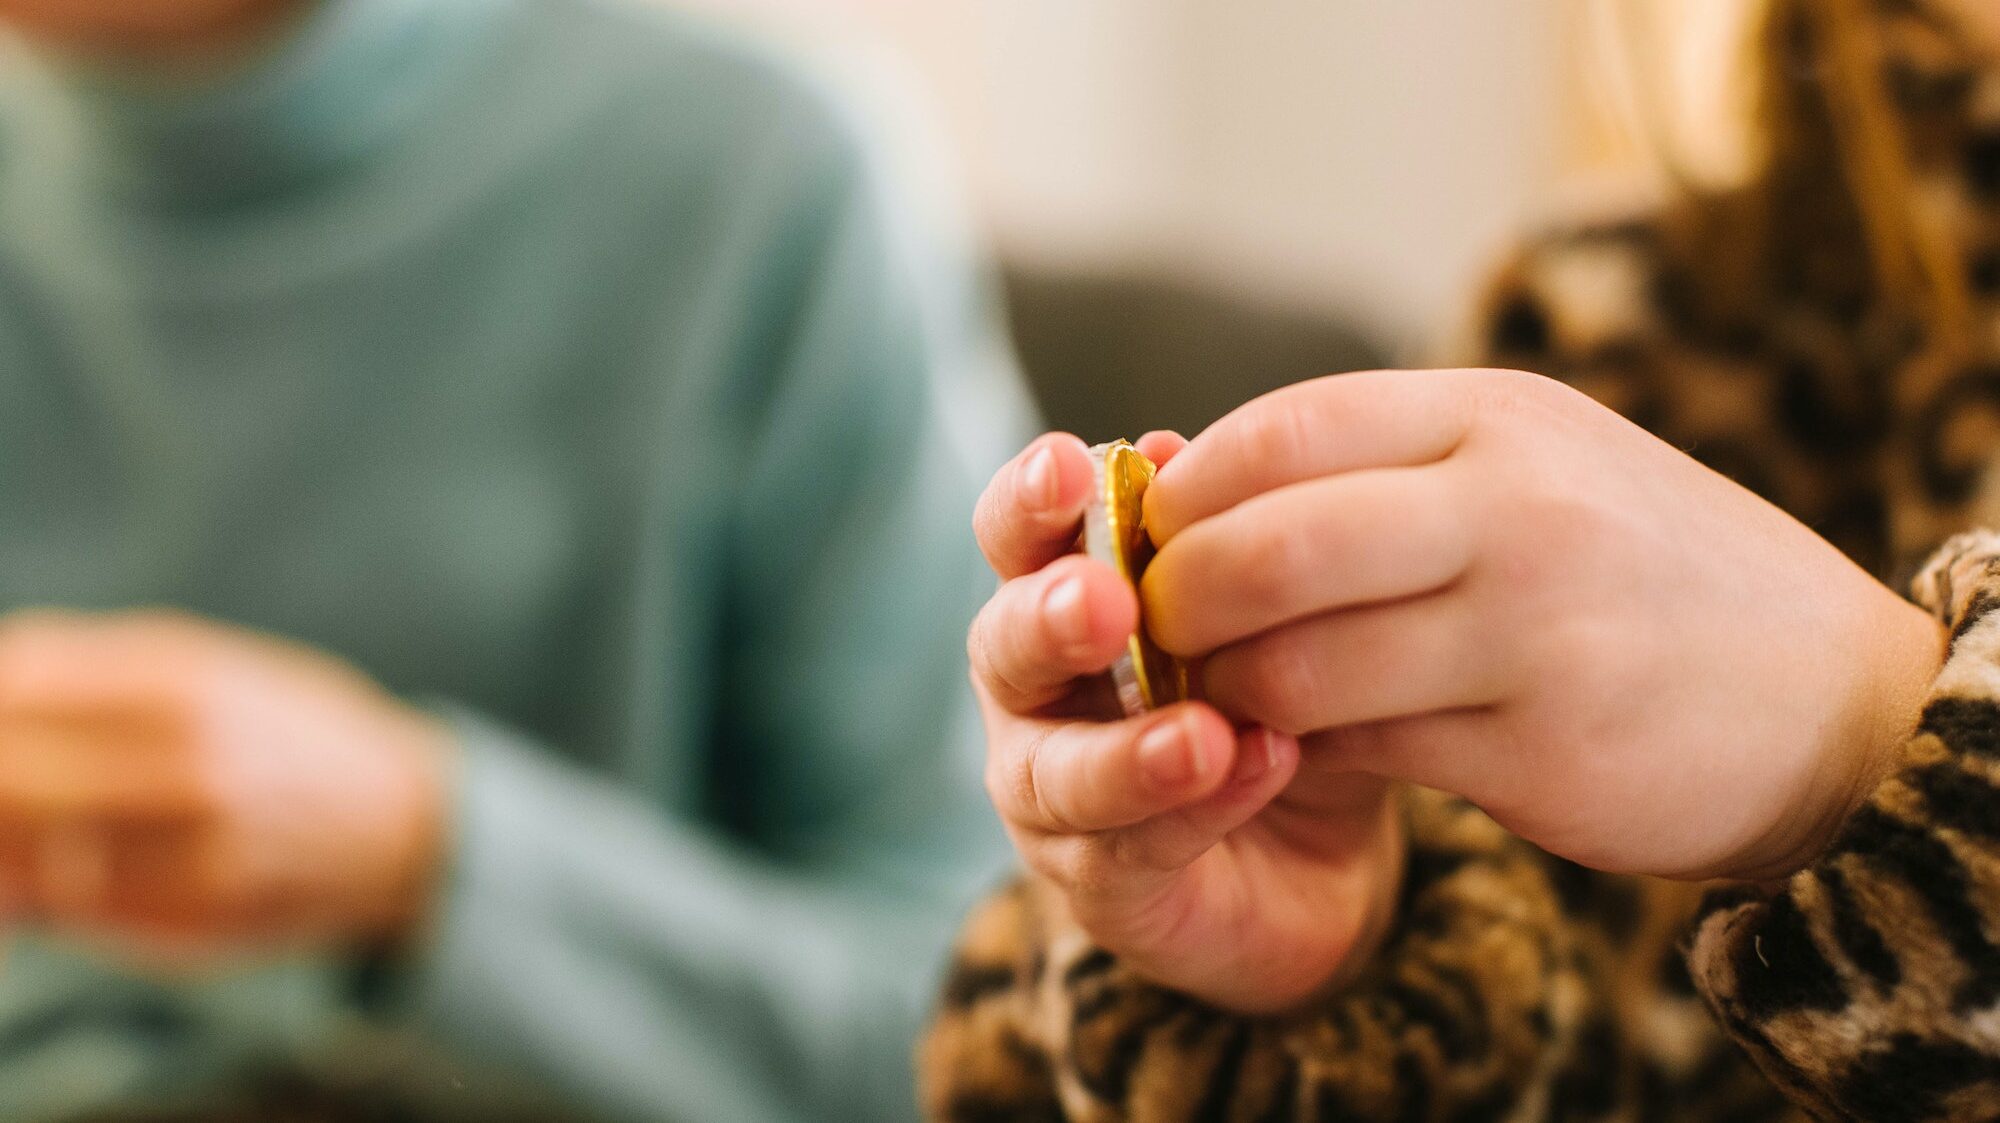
pixel 975 644
pixel 1599 658
pixel 1091 870
pixel 1545 524
pixel 987 657
pixel 1003 782
pixel 1517 401
pixel 1049 811
pixel 1036 856
pixel 989 526
pixel 1054 857
pixel 999 785
pixel 1507 385
pixel 1014 782
pixel 1283 431
pixel 1280 686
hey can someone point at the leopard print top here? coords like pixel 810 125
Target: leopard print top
pixel 1754 330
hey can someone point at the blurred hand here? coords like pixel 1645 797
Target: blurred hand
pixel 185 790
pixel 1189 848
pixel 1483 581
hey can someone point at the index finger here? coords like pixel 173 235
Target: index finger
pixel 1340 423
pixel 1042 632
pixel 1030 513
pixel 119 767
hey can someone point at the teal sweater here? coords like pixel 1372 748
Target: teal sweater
pixel 580 372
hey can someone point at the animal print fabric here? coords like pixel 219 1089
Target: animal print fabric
pixel 1495 999
pixel 1869 986
pixel 1774 332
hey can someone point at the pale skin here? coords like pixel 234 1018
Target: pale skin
pixel 1199 852
pixel 1479 581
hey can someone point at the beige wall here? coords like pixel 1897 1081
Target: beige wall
pixel 1362 155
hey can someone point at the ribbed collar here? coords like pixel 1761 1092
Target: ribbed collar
pixel 349 76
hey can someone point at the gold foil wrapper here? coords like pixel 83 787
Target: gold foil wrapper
pixel 1114 532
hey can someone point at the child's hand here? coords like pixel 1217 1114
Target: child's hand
pixel 1187 847
pixel 1483 581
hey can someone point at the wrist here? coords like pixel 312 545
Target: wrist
pixel 412 857
pixel 1905 647
pixel 1912 657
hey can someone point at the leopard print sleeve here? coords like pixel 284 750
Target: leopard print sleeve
pixel 1499 996
pixel 1868 985
pixel 1475 1004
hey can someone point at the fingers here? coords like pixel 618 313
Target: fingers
pixel 1040 632
pixel 1335 803
pixel 1030 512
pixel 1160 446
pixel 1080 777
pixel 1266 761
pixel 1463 751
pixel 54 770
pixel 119 879
pixel 1375 419
pixel 1360 666
pixel 1304 549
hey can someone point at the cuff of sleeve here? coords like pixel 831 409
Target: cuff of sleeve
pixel 494 854
pixel 1482 951
pixel 1884 937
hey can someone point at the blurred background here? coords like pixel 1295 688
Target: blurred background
pixel 1194 202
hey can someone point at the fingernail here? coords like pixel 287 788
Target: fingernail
pixel 1038 479
pixel 1255 757
pixel 1063 608
pixel 1167 753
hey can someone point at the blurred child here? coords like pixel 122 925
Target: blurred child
pixel 481 549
